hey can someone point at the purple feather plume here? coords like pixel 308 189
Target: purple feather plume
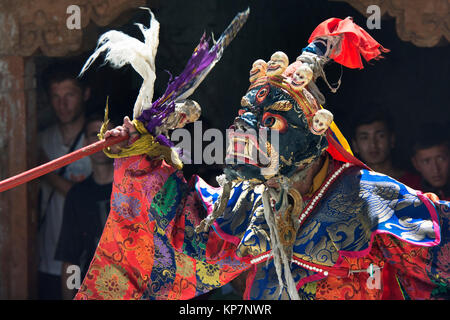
pixel 199 65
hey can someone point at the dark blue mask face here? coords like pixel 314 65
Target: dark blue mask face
pixel 271 134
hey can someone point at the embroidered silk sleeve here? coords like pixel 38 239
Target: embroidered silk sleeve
pixel 421 272
pixel 149 249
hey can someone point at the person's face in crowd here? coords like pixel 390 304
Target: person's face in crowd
pixel 373 143
pixel 433 164
pixel 67 100
pixel 91 131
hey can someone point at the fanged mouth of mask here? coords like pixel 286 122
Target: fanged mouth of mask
pixel 243 148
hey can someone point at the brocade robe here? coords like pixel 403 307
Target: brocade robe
pixel 367 237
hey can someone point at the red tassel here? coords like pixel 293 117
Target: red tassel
pixel 356 42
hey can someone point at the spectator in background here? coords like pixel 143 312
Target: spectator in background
pixel 85 211
pixel 430 158
pixel 374 140
pixel 67 96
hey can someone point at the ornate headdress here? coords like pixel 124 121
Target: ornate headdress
pixel 340 40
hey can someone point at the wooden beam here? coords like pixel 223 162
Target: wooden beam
pixel 16 213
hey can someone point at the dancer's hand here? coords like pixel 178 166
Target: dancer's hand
pixel 127 128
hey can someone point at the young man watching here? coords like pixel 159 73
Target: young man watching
pixel 431 158
pixel 373 141
pixel 67 96
pixel 85 211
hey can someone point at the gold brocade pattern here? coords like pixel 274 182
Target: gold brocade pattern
pixel 257 238
pixel 185 265
pixel 348 214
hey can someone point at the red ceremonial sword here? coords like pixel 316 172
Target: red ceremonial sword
pixel 59 162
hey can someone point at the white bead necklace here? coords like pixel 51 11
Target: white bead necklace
pixel 313 203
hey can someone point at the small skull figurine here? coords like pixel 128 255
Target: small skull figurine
pixel 189 111
pixel 259 69
pixel 302 76
pixel 277 64
pixel 321 121
pixel 186 111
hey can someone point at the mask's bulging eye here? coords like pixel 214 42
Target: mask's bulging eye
pixel 274 122
pixel 262 94
pixel 269 121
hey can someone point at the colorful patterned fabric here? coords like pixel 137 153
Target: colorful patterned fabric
pixel 141 254
pixel 149 249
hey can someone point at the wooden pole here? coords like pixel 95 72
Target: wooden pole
pixel 58 163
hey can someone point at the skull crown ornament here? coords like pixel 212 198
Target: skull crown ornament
pixel 259 69
pixel 278 62
pixel 302 76
pixel 321 121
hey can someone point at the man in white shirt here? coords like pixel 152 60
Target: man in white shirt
pixel 67 96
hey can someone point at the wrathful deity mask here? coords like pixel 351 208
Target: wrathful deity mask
pixel 280 128
pixel 271 133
